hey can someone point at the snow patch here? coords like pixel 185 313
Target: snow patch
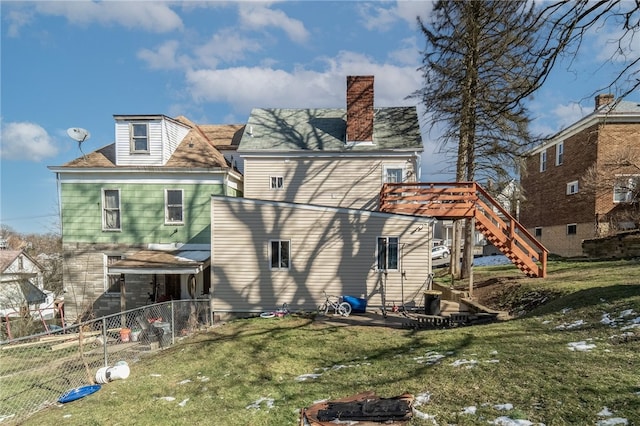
pixel 581 346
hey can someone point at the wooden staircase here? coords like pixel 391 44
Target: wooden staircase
pixel 466 200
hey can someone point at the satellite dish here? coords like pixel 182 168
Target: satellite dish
pixel 79 135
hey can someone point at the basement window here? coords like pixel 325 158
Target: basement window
pixel 572 229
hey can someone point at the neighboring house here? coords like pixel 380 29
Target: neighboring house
pixel 21 286
pixel 136 216
pixel 251 216
pixel 578 181
pixel 309 219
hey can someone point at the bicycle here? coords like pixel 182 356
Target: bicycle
pixel 335 302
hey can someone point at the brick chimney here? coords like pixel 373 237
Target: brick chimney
pixel 603 100
pixel 360 108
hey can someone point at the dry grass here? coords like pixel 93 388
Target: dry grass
pixel 248 372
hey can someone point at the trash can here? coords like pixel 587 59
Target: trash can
pixel 432 302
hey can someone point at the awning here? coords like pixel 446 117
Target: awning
pixel 162 262
pixel 32 294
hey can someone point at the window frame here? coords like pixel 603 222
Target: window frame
pixel 133 138
pixel 388 167
pixel 560 153
pixel 573 187
pixel 537 231
pixel 167 207
pixel 276 183
pixel 106 210
pixel 570 227
pixel 631 184
pixel 384 253
pixel 109 259
pixel 278 264
pixel 543 161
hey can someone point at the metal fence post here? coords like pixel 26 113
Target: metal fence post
pixel 173 322
pixel 104 342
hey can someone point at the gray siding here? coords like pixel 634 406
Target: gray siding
pixel 329 181
pixel 331 249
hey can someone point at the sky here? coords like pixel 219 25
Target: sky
pixel 71 64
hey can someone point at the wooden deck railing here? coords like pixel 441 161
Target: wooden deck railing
pixel 457 200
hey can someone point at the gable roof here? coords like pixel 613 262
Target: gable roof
pixel 7 257
pixel 324 130
pixel 198 149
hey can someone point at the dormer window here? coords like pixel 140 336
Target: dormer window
pixel 139 137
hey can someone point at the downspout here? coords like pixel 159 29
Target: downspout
pixel 59 190
pixel 418 165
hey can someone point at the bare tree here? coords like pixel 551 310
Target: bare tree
pixel 564 25
pixel 619 171
pixel 478 65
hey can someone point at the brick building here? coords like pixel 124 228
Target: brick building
pixel 583 182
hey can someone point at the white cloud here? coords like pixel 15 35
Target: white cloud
pixel 26 141
pixel 376 16
pixel 408 54
pixel 617 45
pixel 17 19
pixel 164 56
pixel 257 16
pixel 567 114
pixel 149 16
pixel 246 87
pixel 228 46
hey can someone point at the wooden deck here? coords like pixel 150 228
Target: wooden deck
pixel 468 200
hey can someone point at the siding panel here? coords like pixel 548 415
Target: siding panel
pixel 331 249
pixel 338 182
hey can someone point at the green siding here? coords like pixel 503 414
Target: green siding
pixel 142 213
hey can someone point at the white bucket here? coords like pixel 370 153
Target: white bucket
pixel 101 375
pixel 119 372
pixel 109 374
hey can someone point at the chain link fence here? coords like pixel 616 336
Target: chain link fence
pixel 36 371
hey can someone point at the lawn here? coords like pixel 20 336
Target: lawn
pixel 571 359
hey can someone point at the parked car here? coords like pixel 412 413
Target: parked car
pixel 440 252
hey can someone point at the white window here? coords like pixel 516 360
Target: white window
pixel 277 182
pixel 624 191
pixel 280 254
pixel 387 253
pixel 111 209
pixel 559 153
pixel 543 161
pixel 393 174
pixel 111 281
pixel 139 137
pixel 572 229
pixel 538 231
pixel 173 206
pixel 572 187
